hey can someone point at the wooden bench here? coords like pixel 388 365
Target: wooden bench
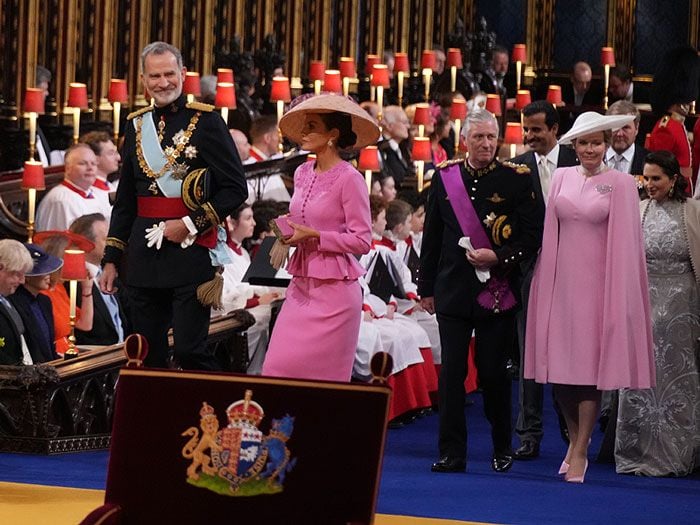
pixel 67 405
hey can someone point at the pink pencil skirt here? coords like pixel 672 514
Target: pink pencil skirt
pixel 316 332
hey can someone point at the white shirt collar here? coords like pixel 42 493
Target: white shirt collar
pixel 628 154
pixel 552 157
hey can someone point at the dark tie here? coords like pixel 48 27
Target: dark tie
pixel 13 313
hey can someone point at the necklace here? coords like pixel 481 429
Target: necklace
pixel 171 153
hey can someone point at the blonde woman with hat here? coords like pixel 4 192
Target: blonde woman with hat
pixel 588 326
pixel 316 333
pixel 56 242
pixel 35 308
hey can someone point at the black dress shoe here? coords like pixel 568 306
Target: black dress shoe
pixel 502 463
pixel 528 450
pixel 449 464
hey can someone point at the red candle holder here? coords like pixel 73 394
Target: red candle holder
pixel 77 95
pixel 118 91
pixel 458 109
pixel 331 81
pixel 493 104
pixel 34 100
pixel 192 84
pixel 454 58
pixel 224 75
pixel 369 160
pixel 401 63
pixel 347 67
pixel 554 94
pixel 522 99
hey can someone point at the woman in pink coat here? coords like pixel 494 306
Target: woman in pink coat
pixel 315 335
pixel 588 326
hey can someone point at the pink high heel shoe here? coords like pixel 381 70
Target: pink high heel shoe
pixel 578 479
pixel 564 467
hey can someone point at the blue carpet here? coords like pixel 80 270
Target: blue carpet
pixel 530 493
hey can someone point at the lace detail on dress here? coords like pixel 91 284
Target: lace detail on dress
pixel 320 183
pixel 664 238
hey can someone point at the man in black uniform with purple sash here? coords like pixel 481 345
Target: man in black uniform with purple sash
pixel 472 288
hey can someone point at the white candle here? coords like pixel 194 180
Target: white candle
pixel 453 78
pixel 458 128
pixel 427 74
pixel 400 84
pixel 224 115
pixel 73 297
pixel 76 125
pixel 32 132
pixel 420 166
pixel 368 180
pixel 116 111
pixel 346 86
pixel 317 86
pixel 31 197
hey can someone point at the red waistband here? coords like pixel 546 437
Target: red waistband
pixel 161 207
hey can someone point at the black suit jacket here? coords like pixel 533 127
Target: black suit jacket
pixel 10 342
pixel 638 160
pixel 38 347
pixel 103 330
pixel 392 165
pixel 503 201
pixel 567 157
pixel 592 99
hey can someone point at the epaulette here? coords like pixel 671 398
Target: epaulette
pixel 664 121
pixel 451 162
pixel 139 112
pixel 519 168
pixel 200 106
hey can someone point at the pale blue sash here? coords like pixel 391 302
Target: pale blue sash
pixel 155 157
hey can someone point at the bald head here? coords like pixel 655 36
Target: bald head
pixel 81 166
pixel 241 142
pixel 581 77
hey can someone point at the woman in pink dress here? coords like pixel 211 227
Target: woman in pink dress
pixel 588 326
pixel 316 333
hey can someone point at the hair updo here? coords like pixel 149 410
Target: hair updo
pixel 343 123
pixel 668 163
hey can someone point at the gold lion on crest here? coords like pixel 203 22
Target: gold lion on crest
pixel 196 447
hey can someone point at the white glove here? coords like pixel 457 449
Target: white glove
pixel 466 243
pixel 154 235
pixel 189 240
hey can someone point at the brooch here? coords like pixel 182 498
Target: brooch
pixel 495 198
pixel 490 218
pixel 603 188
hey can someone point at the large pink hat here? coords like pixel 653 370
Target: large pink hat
pixel 363 124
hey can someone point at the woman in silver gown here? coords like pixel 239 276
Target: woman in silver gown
pixel 658 430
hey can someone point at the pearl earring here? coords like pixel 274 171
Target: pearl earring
pixel 330 143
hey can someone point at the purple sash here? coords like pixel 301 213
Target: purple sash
pixel 497 296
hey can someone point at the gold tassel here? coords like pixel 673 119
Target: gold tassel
pixel 211 292
pixel 278 254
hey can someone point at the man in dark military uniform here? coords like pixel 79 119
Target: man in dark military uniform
pixel 167 225
pixel 503 207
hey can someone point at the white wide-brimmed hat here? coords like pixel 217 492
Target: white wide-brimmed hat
pixel 363 124
pixel 590 122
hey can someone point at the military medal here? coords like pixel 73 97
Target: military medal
pixel 496 198
pixel 179 171
pixel 490 218
pixel 179 138
pixel 191 152
pixel 180 142
pixel 161 128
pixel 153 188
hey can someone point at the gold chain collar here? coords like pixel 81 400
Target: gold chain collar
pixel 171 158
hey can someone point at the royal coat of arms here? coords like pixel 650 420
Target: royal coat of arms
pixel 239 460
